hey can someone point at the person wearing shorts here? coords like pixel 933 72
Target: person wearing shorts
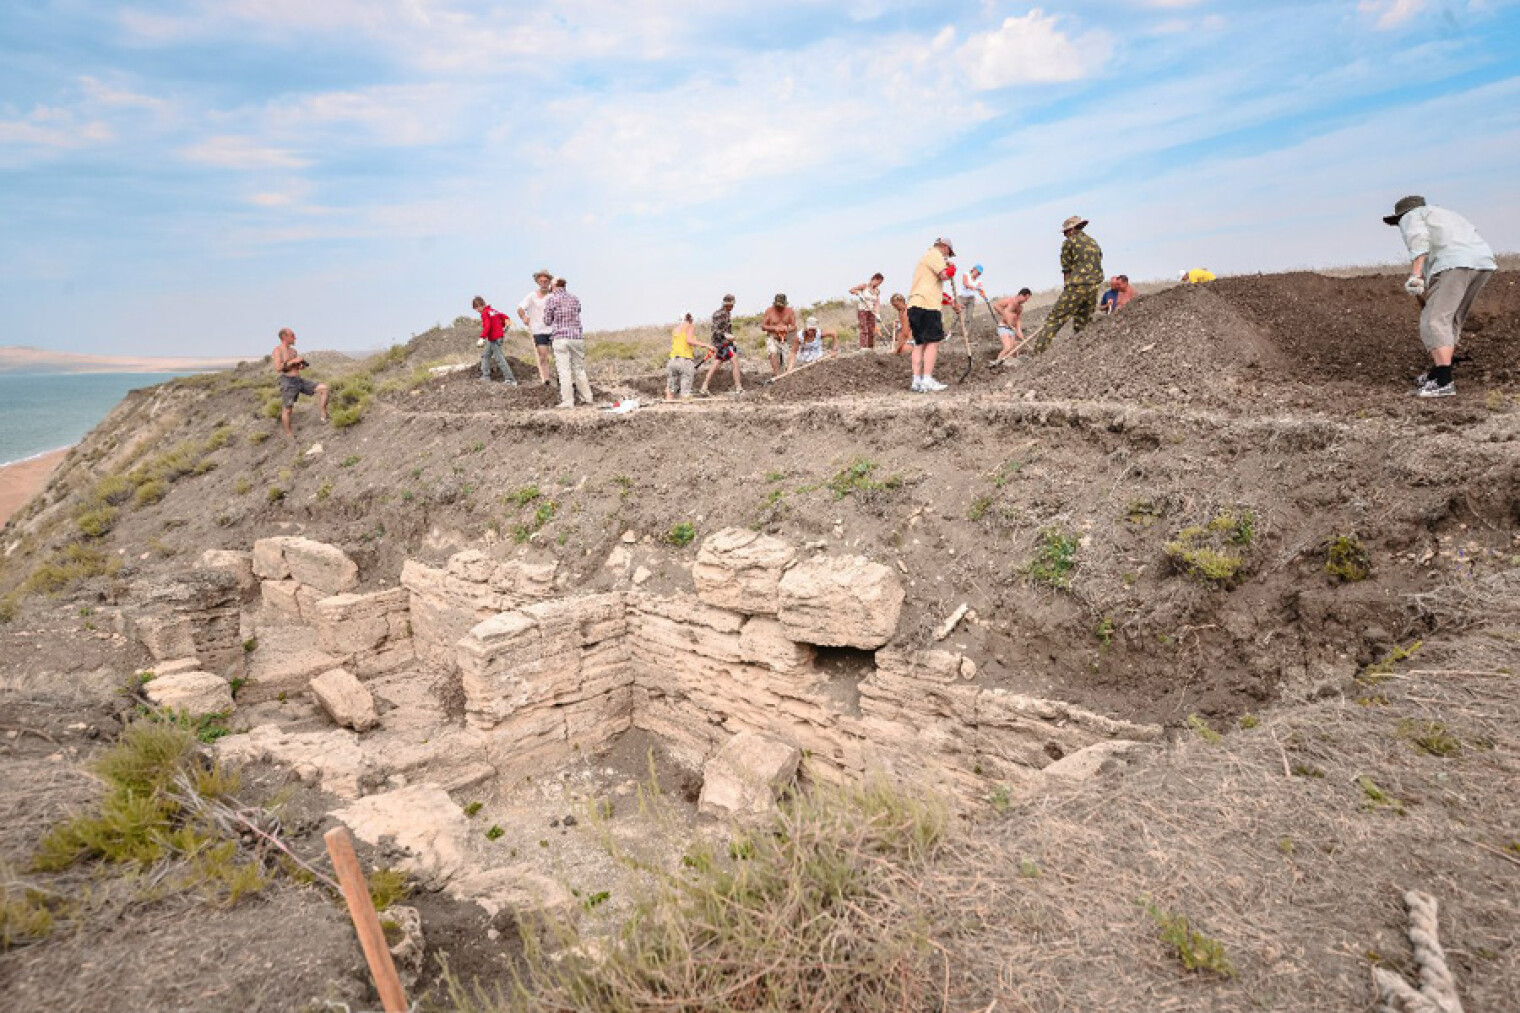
pixel 288 364
pixel 868 308
pixel 924 317
pixel 724 349
pixel 681 368
pixel 1010 327
pixel 531 312
pixel 778 323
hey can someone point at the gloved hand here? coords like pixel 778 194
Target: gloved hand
pixel 1415 285
pixel 480 342
pixel 949 270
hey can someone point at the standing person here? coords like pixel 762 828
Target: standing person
pixel 1451 265
pixel 868 308
pixel 1082 272
pixel 493 327
pixel 531 312
pixel 778 323
pixel 810 344
pixel 562 314
pixel 680 370
pixel 1010 315
pixel 724 349
pixel 924 317
pixel 288 364
pixel 972 289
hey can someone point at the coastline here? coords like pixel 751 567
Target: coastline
pixel 23 479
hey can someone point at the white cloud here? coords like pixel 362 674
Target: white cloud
pixel 1390 13
pixel 51 127
pixel 1031 49
pixel 231 152
pixel 100 93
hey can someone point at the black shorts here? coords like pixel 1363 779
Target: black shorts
pixel 547 340
pixel 927 325
pixel 724 351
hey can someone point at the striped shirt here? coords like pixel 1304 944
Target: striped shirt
pixel 562 315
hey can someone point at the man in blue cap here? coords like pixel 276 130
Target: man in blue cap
pixel 1451 264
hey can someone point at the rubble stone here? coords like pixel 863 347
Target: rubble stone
pixel 740 570
pixel 840 601
pixel 445 603
pixel 345 699
pixel 318 565
pixel 195 693
pixel 239 564
pixel 422 820
pixel 374 631
pixel 745 775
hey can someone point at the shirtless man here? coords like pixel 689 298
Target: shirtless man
pixel 531 312
pixel 1010 328
pixel 778 323
pixel 288 364
pixel 1124 293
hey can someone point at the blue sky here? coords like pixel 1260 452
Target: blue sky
pixel 187 176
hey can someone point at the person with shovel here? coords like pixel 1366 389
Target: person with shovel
pixel 868 308
pixel 1009 313
pixel 973 287
pixel 681 369
pixel 1082 271
pixel 1451 265
pixel 778 323
pixel 724 349
pixel 925 320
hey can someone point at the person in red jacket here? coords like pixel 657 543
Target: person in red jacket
pixel 493 328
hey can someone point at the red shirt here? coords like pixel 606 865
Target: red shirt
pixel 493 325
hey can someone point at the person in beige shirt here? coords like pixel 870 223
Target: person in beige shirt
pixel 924 301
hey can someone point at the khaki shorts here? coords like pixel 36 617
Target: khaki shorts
pixel 775 346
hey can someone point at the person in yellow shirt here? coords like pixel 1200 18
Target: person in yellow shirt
pixel 681 369
pixel 927 325
pixel 1197 276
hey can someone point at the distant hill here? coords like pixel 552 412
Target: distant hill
pixel 21 359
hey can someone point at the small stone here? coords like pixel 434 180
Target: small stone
pixel 554 822
pixel 570 821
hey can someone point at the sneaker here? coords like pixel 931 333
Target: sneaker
pixel 917 387
pixel 932 386
pixel 1433 389
pixel 1419 381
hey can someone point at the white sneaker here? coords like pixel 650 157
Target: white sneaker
pixel 1433 389
pixel 917 386
pixel 932 386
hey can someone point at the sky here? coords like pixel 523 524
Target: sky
pixel 185 177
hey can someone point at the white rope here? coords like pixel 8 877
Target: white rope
pixel 1438 989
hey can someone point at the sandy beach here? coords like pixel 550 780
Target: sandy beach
pixel 19 482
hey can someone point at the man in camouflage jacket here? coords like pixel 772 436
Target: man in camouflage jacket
pixel 1082 269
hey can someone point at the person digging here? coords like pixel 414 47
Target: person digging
pixel 680 369
pixel 1082 272
pixel 925 320
pixel 723 347
pixel 1451 265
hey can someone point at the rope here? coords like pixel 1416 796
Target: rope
pixel 1438 989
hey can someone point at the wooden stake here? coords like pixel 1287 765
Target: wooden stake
pixel 366 922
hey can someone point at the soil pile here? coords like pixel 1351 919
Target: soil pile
pixel 463 392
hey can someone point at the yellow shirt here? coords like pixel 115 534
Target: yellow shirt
pixel 926 291
pixel 679 347
pixel 1199 275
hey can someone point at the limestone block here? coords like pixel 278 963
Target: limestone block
pixel 525 581
pixel 279 596
pixel 350 623
pixel 166 636
pixel 268 560
pixel 744 776
pixel 239 564
pixel 345 699
pixel 740 569
pixel 421 820
pixel 1098 758
pixel 195 693
pixel 316 564
pixel 195 612
pixel 287 660
pixel 517 893
pixel 472 565
pixel 176 665
pixel 763 641
pixel 841 601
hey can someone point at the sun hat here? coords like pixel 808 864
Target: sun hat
pixel 1074 222
pixel 811 323
pixel 543 273
pixel 1403 207
pixel 729 300
pixel 780 299
pixel 1182 274
pixel 947 244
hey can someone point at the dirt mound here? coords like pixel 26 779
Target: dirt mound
pixel 462 392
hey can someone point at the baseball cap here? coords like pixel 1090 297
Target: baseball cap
pixel 947 244
pixel 780 299
pixel 811 322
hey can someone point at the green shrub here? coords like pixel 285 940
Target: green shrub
pixel 96 523
pixel 113 490
pixel 1055 558
pixel 387 887
pixel 522 497
pixel 1214 552
pixel 1346 560
pixel 1197 951
pixel 681 535
pixel 149 492
pixel 275 494
pixel 856 478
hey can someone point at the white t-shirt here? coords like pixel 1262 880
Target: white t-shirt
pixel 533 305
pixel 868 299
pixel 973 289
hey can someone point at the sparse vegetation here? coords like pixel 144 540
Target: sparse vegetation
pixel 1432 738
pixel 496 833
pixel 1197 723
pixel 681 535
pixel 855 479
pixel 275 494
pixel 979 508
pixel 1378 670
pixel 522 497
pixel 472 808
pixel 387 887
pixel 1214 552
pixel 1196 951
pixel 1346 560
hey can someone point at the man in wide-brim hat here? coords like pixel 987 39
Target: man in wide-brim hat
pixel 1451 264
pixel 1082 273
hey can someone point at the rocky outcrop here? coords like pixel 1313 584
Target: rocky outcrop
pixel 345 700
pixel 840 601
pixel 239 564
pixel 421 820
pixel 323 568
pixel 744 777
pixel 740 570
pixel 191 614
pixel 446 603
pixel 195 693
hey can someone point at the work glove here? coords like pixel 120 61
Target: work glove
pixel 949 270
pixel 1415 285
pixel 480 342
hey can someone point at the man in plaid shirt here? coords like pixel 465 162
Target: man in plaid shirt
pixel 562 315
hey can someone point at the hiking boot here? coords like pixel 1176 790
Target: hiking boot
pixel 1433 389
pixel 932 386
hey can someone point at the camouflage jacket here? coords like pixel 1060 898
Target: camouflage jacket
pixel 1082 260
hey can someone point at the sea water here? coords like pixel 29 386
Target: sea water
pixel 45 411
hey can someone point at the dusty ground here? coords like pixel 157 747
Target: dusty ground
pixel 1281 396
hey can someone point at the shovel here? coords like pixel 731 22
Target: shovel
pixel 965 334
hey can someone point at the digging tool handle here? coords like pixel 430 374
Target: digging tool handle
pixel 965 334
pixel 366 922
